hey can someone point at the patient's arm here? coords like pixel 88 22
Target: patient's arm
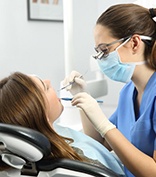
pixel 89 130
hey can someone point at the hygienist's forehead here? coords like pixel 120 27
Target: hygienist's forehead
pixel 102 35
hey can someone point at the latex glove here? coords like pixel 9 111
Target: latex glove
pixel 78 86
pixel 92 110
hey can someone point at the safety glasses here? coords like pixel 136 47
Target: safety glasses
pixel 103 49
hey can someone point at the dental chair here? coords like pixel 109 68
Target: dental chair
pixel 26 150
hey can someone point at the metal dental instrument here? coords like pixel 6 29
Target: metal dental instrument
pixel 71 83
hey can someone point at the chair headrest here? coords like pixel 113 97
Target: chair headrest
pixel 18 144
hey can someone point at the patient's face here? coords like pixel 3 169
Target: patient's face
pixel 54 106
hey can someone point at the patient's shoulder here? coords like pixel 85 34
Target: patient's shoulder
pixel 89 160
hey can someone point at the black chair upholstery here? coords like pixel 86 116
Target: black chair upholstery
pixel 24 149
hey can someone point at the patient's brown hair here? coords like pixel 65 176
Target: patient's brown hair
pixel 22 103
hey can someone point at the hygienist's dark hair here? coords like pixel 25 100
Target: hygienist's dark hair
pixel 127 19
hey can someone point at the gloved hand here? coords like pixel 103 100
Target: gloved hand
pixel 92 110
pixel 78 86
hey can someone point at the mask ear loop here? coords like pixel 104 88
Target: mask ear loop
pixel 121 46
pixel 123 43
pixel 143 38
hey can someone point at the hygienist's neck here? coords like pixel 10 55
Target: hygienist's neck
pixel 141 76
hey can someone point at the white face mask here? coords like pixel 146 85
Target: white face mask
pixel 117 70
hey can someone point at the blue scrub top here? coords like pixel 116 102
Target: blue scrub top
pixel 140 130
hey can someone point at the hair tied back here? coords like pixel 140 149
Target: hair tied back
pixel 152 12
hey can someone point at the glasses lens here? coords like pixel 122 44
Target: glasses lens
pixel 99 55
pixel 105 53
pixel 102 51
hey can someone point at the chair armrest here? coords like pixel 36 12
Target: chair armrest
pixel 73 165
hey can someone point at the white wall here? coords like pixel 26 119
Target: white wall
pixel 30 46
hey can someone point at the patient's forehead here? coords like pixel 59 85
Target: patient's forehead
pixel 38 81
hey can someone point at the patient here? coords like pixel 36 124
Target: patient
pixel 28 101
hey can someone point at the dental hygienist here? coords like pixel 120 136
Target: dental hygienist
pixel 125 37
